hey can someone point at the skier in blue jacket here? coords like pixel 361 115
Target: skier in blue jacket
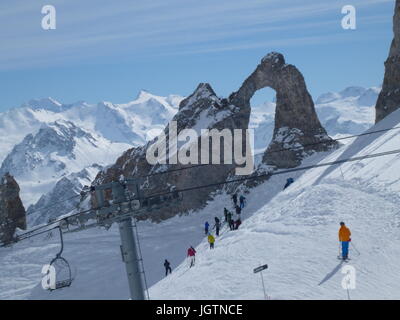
pixel 242 201
pixel 206 227
pixel 289 181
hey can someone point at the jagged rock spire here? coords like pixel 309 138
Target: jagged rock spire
pixel 12 212
pixel 389 98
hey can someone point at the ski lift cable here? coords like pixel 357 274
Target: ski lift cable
pixel 51 206
pixel 55 203
pixel 336 140
pixel 279 172
pixel 55 224
pixel 30 234
pixel 278 150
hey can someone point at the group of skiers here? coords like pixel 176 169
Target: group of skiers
pixel 242 201
pixel 217 226
pixel 232 223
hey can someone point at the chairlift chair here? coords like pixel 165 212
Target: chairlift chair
pixel 62 268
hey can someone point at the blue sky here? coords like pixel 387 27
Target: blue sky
pixel 109 50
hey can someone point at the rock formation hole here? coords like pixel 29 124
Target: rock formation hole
pixel 262 116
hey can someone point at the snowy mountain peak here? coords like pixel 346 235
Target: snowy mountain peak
pixel 45 103
pixel 46 152
pixel 144 95
pixel 369 97
pixel 357 95
pixel 327 97
pixel 352 92
pixel 62 129
pixel 203 91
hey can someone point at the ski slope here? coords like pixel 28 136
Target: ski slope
pixel 296 234
pixel 293 231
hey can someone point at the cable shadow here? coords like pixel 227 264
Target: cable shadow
pixel 361 142
pixel 331 274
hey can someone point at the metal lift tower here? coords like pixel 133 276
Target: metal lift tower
pixel 124 206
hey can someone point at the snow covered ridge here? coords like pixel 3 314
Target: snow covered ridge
pixel 53 140
pixel 54 151
pixel 359 95
pixel 44 140
pixel 350 111
pixel 49 206
pixel 119 123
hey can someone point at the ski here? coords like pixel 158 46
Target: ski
pixel 345 260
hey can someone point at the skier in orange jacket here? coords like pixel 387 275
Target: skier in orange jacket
pixel 344 238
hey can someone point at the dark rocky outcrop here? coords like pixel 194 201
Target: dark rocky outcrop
pixel 298 131
pixel 12 212
pixel 201 110
pixel 389 98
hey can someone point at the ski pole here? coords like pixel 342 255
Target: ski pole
pixel 354 247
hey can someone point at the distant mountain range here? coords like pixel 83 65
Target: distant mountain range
pixel 45 140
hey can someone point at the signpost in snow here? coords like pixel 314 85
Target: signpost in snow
pixel 259 270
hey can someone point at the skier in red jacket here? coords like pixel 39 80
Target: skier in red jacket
pixel 191 253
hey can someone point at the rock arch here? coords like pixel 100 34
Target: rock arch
pixel 297 130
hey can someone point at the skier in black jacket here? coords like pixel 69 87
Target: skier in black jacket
pixel 234 198
pixel 167 267
pixel 226 214
pixel 230 220
pixel 217 226
pixel 238 210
